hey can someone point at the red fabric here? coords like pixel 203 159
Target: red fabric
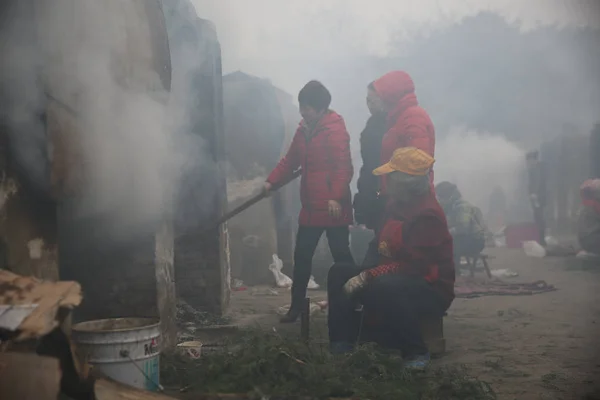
pixel 587 190
pixel 408 124
pixel 324 156
pixel 591 203
pixel 415 240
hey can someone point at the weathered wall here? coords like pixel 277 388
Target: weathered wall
pixel 27 211
pixel 202 271
pixel 260 123
pixel 287 205
pixel 124 277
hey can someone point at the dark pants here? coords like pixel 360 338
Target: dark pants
pixel 538 215
pixel 399 302
pixel 306 243
pixel 372 256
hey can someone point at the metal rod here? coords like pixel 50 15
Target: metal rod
pixel 305 320
pixel 249 203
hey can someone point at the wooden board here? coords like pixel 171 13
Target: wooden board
pixel 27 376
pixel 49 296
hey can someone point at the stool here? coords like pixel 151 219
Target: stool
pixel 432 330
pixel 472 263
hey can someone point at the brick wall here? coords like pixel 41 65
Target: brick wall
pixel 201 261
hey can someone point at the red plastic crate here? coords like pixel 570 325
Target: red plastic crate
pixel 516 234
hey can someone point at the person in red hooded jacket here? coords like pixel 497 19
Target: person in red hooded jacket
pixel 407 125
pixel 321 148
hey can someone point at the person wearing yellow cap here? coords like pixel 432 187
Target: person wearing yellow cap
pixel 414 276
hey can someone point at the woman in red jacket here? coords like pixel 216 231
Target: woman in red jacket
pixel 321 148
pixel 407 125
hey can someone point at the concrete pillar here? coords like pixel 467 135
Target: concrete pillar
pixel 202 272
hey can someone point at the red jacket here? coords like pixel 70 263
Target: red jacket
pixel 324 156
pixel 408 125
pixel 415 240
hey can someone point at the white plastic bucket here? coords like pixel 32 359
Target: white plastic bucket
pixel 124 349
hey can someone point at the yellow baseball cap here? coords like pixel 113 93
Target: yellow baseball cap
pixel 410 160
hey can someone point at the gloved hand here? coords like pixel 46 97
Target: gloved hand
pixel 355 284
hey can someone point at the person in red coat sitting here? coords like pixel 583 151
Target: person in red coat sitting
pixel 415 274
pixel 321 148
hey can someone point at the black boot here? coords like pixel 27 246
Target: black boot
pixel 296 306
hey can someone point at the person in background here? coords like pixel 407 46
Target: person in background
pixel 367 209
pixel 407 125
pixel 321 148
pixel 588 228
pixel 415 274
pixel 465 222
pixel 537 192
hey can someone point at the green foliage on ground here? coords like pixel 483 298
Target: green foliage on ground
pixel 267 363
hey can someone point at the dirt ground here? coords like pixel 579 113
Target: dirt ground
pixel 527 347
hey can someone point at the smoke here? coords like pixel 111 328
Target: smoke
pixel 262 35
pixel 478 163
pixel 22 103
pixel 130 143
pixel 519 70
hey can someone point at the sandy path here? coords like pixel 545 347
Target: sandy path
pixel 527 347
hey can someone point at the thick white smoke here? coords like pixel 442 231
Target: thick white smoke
pixel 262 35
pixel 95 62
pixel 348 43
pixel 478 163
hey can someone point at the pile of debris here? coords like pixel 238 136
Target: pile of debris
pixel 37 357
pixel 190 320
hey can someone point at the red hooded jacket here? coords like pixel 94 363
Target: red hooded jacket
pixel 324 156
pixel 408 125
pixel 415 240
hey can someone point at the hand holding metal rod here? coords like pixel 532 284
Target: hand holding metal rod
pixel 253 200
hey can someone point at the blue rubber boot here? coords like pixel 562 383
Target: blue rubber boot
pixel 418 363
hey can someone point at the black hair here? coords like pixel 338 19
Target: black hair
pixel 371 86
pixel 445 189
pixel 314 94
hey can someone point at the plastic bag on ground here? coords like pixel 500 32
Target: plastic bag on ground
pixel 281 279
pixel 584 255
pixel 312 285
pixel 503 273
pixel 534 249
pixel 551 241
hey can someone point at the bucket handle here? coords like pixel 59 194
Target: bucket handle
pixel 125 354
